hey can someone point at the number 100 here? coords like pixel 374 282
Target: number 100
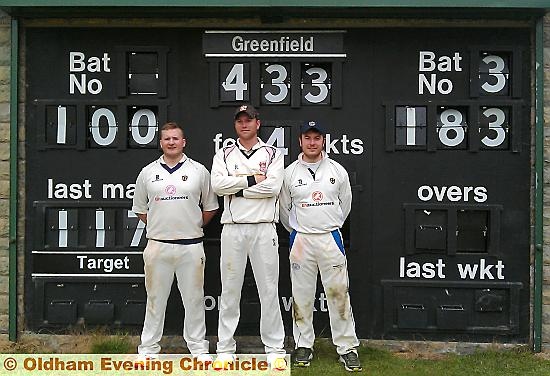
pixel 62 126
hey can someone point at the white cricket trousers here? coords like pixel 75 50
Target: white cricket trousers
pixel 162 261
pixel 324 252
pixel 259 242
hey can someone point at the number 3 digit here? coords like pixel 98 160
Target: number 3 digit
pixel 496 72
pixel 318 82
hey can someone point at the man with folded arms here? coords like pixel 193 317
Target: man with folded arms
pixel 249 175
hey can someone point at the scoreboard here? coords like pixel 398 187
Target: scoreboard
pixel 310 72
pixel 432 124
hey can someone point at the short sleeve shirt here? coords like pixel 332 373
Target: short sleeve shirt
pixel 174 198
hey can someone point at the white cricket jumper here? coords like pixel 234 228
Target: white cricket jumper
pixel 315 200
pixel 249 216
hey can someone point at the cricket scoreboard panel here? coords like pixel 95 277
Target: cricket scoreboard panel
pixel 433 126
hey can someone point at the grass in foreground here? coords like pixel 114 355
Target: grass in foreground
pixel 381 362
pixel 111 345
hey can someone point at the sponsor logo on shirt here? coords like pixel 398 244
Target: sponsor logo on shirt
pixel 317 197
pixel 171 191
pixel 307 204
pixel 171 198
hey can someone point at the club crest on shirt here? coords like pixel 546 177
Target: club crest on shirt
pixel 317 196
pixel 170 189
pixel 263 166
pixel 184 177
pixel 332 180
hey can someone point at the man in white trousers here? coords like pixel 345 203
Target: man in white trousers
pixel 315 200
pixel 173 197
pixel 249 176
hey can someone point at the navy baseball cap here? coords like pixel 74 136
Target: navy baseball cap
pixel 311 126
pixel 247 109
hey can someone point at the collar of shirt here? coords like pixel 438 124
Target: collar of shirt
pixel 312 166
pixel 183 159
pixel 308 164
pixel 259 144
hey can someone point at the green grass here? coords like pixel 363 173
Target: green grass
pixel 111 345
pixel 381 362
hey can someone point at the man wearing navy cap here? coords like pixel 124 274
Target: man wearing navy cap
pixel 314 202
pixel 249 176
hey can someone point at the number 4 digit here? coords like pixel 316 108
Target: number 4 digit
pixel 277 139
pixel 235 81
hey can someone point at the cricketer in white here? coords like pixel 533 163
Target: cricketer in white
pixel 174 198
pixel 249 176
pixel 315 200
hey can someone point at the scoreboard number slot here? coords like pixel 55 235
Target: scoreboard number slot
pixel 234 87
pixel 497 127
pixel 452 126
pixel 494 74
pixel 316 84
pixel 275 83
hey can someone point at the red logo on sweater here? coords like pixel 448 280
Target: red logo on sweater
pixel 170 190
pixel 317 196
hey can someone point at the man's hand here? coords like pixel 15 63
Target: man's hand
pixel 143 218
pixel 259 178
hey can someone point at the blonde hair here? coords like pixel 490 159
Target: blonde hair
pixel 172 125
